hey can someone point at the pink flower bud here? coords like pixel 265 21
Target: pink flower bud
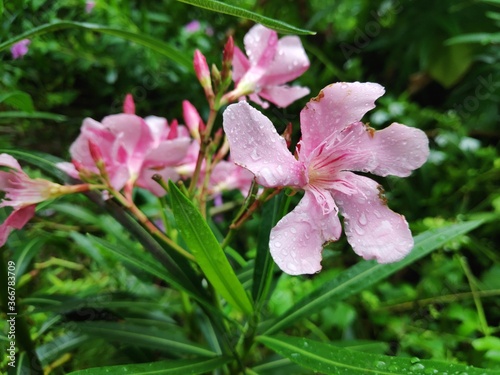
pixel 203 73
pixel 129 105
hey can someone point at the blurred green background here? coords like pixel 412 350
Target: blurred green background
pixel 440 65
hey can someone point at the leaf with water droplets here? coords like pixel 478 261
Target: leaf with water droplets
pixel 330 359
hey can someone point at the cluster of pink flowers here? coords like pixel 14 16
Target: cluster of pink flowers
pixel 124 151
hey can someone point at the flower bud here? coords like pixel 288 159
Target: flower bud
pixel 203 73
pixel 129 105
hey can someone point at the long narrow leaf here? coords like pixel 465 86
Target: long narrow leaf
pixel 207 251
pixel 142 39
pixel 178 367
pixel 138 335
pixel 366 273
pixel 32 115
pixel 44 161
pixel 330 359
pixel 220 7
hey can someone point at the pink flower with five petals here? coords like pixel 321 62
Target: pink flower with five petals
pixel 334 143
pixel 270 64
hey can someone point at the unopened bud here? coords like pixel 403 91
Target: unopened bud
pixel 129 105
pixel 173 133
pixel 203 73
pixel 227 59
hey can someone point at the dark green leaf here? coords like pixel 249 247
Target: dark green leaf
pixel 330 359
pixel 60 345
pixel 366 273
pixel 139 335
pixel 221 7
pixel 36 115
pixel 177 367
pixel 152 43
pixel 207 251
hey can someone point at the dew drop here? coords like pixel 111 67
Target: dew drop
pixel 362 219
pixel 293 230
pixel 277 244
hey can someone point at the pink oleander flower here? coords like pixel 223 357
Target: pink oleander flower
pixel 270 64
pixel 334 143
pixel 20 48
pixel 89 6
pixel 192 26
pixel 132 149
pixel 23 193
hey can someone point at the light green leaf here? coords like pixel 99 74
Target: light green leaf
pixel 19 100
pixel 145 40
pixel 450 64
pixel 139 335
pixel 221 7
pixel 207 251
pixel 482 38
pixel 177 367
pixel 329 359
pixel 366 273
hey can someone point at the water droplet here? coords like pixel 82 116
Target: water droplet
pixel 362 219
pixel 380 364
pixel 293 230
pixel 255 155
pixel 343 86
pixel 277 244
pixel 417 367
pixel 359 230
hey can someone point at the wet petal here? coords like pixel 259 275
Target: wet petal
pixel 336 106
pixel 240 64
pixel 260 45
pixel 290 61
pixel 256 145
pixel 373 230
pixel 9 161
pixel 297 240
pixel 284 95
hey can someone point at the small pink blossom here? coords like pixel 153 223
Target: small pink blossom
pixel 89 6
pixel 131 148
pixel 192 26
pixel 334 143
pixel 269 65
pixel 20 49
pixel 23 193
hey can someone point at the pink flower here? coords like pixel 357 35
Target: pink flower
pixel 270 64
pixel 192 26
pixel 89 6
pixel 132 149
pixel 20 48
pixel 334 143
pixel 23 193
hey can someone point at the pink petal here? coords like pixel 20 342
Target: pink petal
pixel 240 64
pixel 336 106
pixel 297 240
pixel 256 145
pixel 260 45
pixel 168 153
pixel 373 230
pixel 9 161
pixel 289 62
pixel 68 168
pixel 16 220
pixel 284 95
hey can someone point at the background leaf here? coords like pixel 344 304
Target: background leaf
pixel 220 7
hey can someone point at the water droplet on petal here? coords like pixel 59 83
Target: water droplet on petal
pixel 362 219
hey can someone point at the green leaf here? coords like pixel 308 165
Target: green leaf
pixel 177 367
pixel 32 115
pixel 145 40
pixel 60 345
pixel 329 359
pixel 482 38
pixel 220 7
pixel 366 273
pixel 41 160
pixel 207 251
pixel 139 335
pixel 19 100
pixel 450 64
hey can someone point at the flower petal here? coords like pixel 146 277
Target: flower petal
pixel 336 106
pixel 290 61
pixel 260 45
pixel 256 145
pixel 297 240
pixel 373 230
pixel 284 95
pixel 240 64
pixel 9 161
pixel 16 220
